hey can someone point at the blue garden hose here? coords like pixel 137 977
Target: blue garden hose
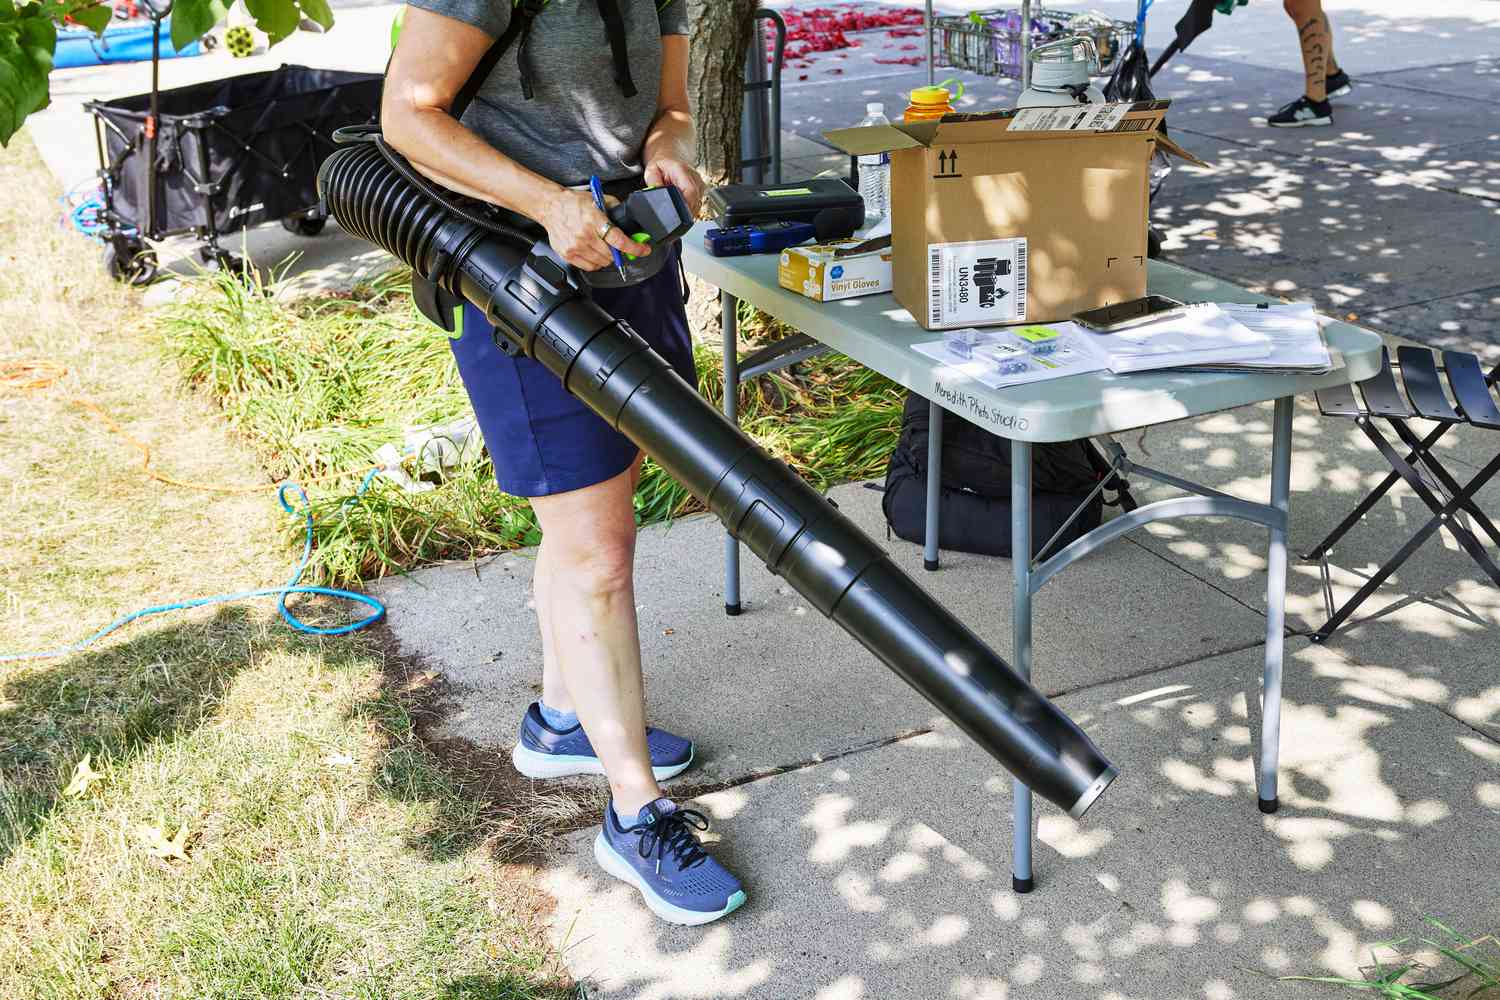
pixel 84 208
pixel 291 587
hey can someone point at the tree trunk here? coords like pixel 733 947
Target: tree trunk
pixel 721 31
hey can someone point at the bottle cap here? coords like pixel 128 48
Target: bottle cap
pixel 930 95
pixel 875 108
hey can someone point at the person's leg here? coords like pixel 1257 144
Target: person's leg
pixel 554 686
pixel 587 604
pixel 1316 36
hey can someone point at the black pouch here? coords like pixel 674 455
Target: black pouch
pixel 826 202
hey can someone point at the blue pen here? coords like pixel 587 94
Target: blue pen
pixel 597 190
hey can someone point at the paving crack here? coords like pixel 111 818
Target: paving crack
pixel 691 790
pixel 1149 671
pixel 1202 579
pixel 1436 298
pixel 1492 737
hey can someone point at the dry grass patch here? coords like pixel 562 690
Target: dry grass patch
pixel 325 849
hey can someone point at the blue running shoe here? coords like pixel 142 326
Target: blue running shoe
pixel 544 752
pixel 662 858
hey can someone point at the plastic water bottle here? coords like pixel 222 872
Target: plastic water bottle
pixel 875 171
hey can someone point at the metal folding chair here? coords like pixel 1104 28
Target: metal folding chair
pixel 1451 502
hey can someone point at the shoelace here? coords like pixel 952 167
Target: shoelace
pixel 673 835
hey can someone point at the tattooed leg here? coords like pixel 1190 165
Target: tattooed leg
pixel 1316 37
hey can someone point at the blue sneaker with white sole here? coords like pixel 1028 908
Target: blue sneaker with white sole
pixel 661 856
pixel 544 752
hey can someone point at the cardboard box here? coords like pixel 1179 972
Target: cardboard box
pixel 1012 217
pixel 838 270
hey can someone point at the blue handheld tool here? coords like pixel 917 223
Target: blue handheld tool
pixel 597 190
pixel 757 237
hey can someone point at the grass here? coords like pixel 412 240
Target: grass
pixel 315 386
pixel 1470 968
pixel 329 848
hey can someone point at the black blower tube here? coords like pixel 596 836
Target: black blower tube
pixel 538 307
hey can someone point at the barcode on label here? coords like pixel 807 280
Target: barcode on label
pixel 1100 118
pixel 934 286
pixel 1020 279
pixel 1134 125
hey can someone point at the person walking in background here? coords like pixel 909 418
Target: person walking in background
pixel 1325 79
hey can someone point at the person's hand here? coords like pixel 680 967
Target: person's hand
pixel 675 173
pixel 576 229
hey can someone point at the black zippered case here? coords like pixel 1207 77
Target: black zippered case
pixel 827 202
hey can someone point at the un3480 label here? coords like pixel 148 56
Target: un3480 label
pixel 978 283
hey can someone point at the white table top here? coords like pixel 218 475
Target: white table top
pixel 878 333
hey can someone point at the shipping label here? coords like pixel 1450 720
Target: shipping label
pixel 1070 118
pixel 976 284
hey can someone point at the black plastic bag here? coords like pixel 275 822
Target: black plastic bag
pixel 1131 80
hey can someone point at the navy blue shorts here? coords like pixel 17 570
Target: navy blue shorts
pixel 541 439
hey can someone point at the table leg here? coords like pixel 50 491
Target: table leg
pixel 729 323
pixel 1270 730
pixel 934 484
pixel 1020 555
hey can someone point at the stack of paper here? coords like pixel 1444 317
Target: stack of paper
pixel 1203 335
pixel 1296 341
pixel 1011 356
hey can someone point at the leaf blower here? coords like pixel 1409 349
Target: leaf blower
pixel 542 307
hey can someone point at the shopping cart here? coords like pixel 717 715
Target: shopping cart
pixel 990 42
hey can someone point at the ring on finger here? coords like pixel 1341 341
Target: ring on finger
pixel 604 230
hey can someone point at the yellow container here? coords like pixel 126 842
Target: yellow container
pixel 931 103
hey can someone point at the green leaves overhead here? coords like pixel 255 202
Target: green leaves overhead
pixel 192 19
pixel 28 37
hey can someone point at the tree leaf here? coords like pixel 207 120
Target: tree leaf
pixel 192 19
pixel 84 775
pixel 320 12
pixel 158 846
pixel 277 18
pixel 94 16
pixel 27 39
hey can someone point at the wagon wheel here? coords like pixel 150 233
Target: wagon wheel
pixel 304 224
pixel 231 264
pixel 130 261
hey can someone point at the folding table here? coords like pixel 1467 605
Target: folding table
pixel 879 334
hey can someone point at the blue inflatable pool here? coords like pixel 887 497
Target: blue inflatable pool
pixel 122 43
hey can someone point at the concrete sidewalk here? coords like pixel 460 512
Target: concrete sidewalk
pixel 874 839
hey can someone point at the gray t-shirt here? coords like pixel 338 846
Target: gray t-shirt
pixel 578 122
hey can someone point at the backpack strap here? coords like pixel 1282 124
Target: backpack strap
pixel 518 33
pixel 614 27
pixel 1124 499
pixel 522 14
